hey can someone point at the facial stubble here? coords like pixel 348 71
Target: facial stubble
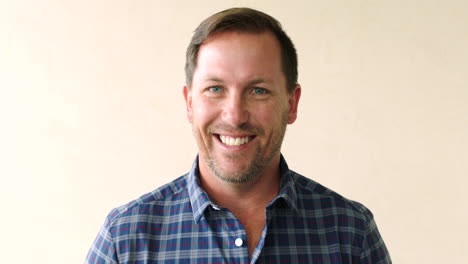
pixel 258 163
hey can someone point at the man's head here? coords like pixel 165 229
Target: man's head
pixel 248 21
pixel 239 100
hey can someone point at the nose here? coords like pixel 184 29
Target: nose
pixel 235 111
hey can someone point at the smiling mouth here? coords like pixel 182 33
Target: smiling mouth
pixel 235 141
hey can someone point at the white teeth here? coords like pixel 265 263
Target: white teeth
pixel 230 141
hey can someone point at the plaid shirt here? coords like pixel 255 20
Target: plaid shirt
pixel 177 223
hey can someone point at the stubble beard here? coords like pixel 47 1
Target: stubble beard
pixel 256 166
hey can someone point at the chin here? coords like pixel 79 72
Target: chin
pixel 234 172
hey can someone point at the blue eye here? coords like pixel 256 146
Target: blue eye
pixel 215 89
pixel 259 90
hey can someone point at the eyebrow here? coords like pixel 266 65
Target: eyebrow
pixel 214 79
pixel 257 81
pixel 250 83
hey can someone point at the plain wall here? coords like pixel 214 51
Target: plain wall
pixel 92 115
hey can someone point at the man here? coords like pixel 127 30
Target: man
pixel 240 203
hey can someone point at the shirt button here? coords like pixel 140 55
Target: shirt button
pixel 239 242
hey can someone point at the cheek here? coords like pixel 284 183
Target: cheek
pixel 203 113
pixel 268 115
pixel 264 117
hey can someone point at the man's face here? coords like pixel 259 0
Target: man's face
pixel 239 106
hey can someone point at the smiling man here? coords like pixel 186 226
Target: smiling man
pixel 240 203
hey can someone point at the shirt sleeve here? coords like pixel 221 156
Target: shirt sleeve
pixel 374 250
pixel 102 250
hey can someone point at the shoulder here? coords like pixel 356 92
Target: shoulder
pixel 315 198
pixel 349 222
pixel 154 204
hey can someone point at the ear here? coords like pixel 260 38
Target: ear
pixel 293 103
pixel 188 102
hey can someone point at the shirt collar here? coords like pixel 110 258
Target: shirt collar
pixel 200 200
pixel 198 197
pixel 287 187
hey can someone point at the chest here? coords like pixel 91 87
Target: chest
pixel 253 225
pixel 222 238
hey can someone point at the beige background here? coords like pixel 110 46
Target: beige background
pixel 92 115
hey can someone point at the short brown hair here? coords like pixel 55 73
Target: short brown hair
pixel 243 20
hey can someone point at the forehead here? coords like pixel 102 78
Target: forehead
pixel 239 56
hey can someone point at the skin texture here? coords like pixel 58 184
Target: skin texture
pixel 239 90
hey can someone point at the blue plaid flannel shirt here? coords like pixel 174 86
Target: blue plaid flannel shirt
pixel 177 223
